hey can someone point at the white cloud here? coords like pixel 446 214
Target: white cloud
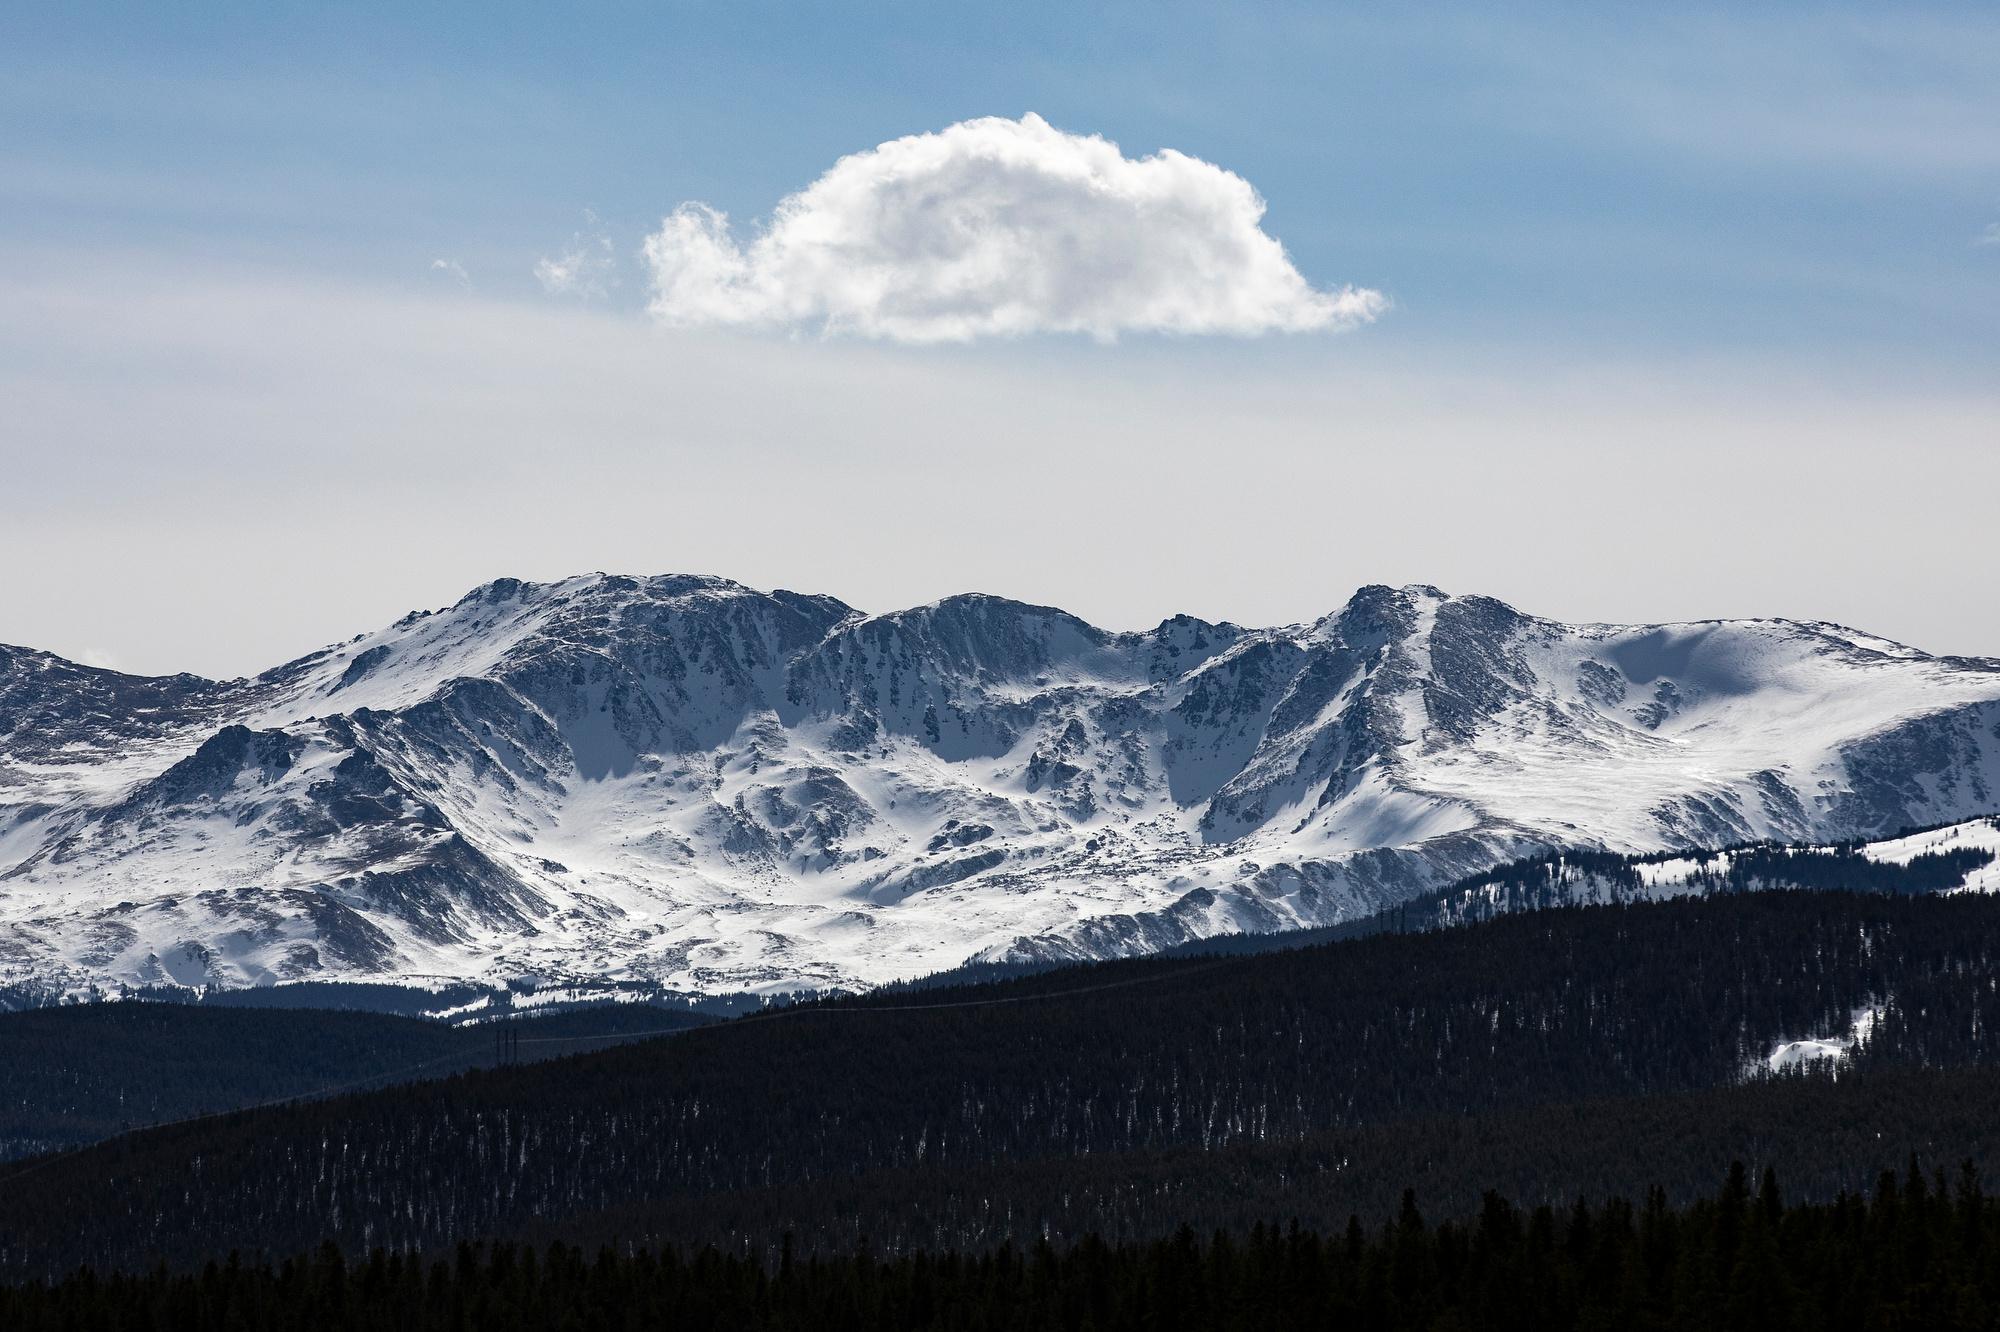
pixel 1990 236
pixel 454 270
pixel 584 268
pixel 181 409
pixel 998 228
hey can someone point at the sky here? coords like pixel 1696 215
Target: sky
pixel 310 316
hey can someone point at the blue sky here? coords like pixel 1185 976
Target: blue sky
pixel 1578 213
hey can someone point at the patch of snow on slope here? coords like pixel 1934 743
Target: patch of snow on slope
pixel 1977 835
pixel 1748 697
pixel 1817 1049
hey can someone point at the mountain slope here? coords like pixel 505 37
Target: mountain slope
pixel 1067 1101
pixel 682 780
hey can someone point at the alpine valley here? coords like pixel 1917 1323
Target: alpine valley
pixel 684 783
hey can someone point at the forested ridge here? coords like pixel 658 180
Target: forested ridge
pixel 1921 1251
pixel 1112 1066
pixel 1558 880
pixel 1826 1135
pixel 1575 877
pixel 80 1073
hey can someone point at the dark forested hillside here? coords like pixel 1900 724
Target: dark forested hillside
pixel 77 1074
pixel 1823 1134
pixel 1919 1251
pixel 1571 877
pixel 74 1075
pixel 1584 877
pixel 1251 1055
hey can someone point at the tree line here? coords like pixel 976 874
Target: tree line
pixel 1091 1071
pixel 1921 1250
pixel 1569 878
pixel 79 1073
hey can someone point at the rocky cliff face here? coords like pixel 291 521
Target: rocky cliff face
pixel 683 780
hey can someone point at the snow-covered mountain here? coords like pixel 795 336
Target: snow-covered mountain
pixel 1959 857
pixel 685 781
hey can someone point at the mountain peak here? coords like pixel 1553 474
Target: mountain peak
pixel 679 778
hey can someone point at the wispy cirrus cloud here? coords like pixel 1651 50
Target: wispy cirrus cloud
pixel 998 228
pixel 585 267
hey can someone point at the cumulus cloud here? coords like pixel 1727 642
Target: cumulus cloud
pixel 454 270
pixel 583 267
pixel 998 228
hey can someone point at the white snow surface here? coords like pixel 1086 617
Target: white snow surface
pixel 683 781
pixel 1974 835
pixel 1815 1049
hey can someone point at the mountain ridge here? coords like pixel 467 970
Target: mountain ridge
pixel 686 781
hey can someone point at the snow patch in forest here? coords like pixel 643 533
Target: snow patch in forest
pixel 1816 1050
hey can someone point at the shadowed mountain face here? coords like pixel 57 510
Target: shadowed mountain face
pixel 683 780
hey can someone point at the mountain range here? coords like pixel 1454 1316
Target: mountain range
pixel 682 781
